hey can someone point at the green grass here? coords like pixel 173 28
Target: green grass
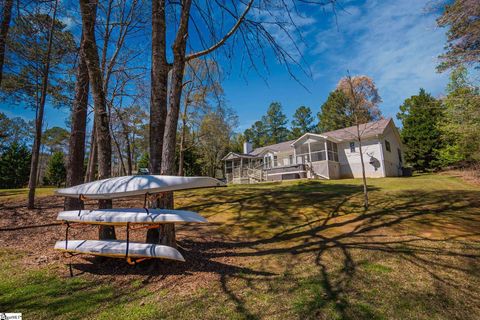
pixel 376 268
pixel 14 194
pixel 292 250
pixel 43 294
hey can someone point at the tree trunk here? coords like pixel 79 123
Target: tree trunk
pixel 7 16
pixel 102 129
pixel 106 38
pixel 158 112
pixel 129 154
pixel 32 183
pixel 76 154
pixel 158 93
pixel 181 151
pixel 364 178
pixel 167 236
pixel 123 170
pixel 92 158
pixel 164 235
pixel 128 146
pixel 179 48
pixel 127 140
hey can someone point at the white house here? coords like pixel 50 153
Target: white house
pixel 329 155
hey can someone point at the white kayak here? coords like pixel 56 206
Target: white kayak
pixel 117 249
pixel 124 216
pixel 136 185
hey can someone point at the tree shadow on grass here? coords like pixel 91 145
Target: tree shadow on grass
pixel 395 227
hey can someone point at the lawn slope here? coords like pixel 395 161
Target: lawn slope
pixel 294 250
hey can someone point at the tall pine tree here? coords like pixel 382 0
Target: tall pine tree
pixel 56 171
pixel 332 115
pixel 257 134
pixel 420 116
pixel 276 123
pixel 302 122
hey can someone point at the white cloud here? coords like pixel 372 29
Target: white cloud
pixel 394 42
pixel 288 29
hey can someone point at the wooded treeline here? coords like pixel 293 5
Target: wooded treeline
pixel 142 80
pixel 443 132
pixel 337 112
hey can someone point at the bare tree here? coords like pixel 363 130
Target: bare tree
pixel 158 103
pixel 76 154
pixel 221 21
pixel 126 116
pixel 119 20
pixel 216 130
pixel 32 182
pixel 201 84
pixel 363 103
pixel 462 17
pixel 102 129
pixel 5 25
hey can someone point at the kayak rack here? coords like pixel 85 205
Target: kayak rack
pixel 151 188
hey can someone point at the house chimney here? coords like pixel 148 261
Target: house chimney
pixel 247 147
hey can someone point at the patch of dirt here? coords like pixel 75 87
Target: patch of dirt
pixel 34 233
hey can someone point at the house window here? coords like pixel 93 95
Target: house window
pixel 275 161
pixel 290 159
pixel 352 147
pixel 399 155
pixel 387 146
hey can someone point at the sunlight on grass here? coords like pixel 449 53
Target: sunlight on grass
pixel 292 250
pixel 13 194
pixel 41 294
pixel 375 267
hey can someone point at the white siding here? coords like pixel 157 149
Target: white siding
pixel 350 163
pixel 392 162
pixel 333 170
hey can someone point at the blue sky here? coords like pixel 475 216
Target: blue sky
pixel 394 42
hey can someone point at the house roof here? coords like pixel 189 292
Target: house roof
pixel 235 155
pixel 278 147
pixel 366 130
pixel 308 134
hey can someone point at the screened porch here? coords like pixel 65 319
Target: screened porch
pixel 319 153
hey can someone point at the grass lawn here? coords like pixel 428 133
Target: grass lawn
pixel 293 250
pixel 9 194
